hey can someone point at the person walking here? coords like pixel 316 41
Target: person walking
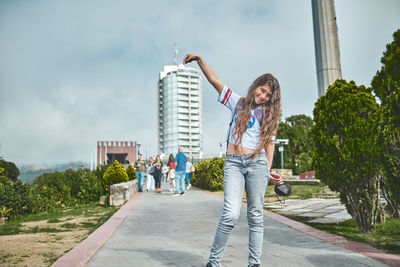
pixel 157 165
pixel 250 149
pixel 150 178
pixel 140 166
pixel 180 159
pixel 171 173
pixel 188 173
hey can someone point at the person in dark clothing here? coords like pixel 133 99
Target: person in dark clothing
pixel 157 173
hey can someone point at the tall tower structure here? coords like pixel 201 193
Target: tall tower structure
pixel 180 111
pixel 327 55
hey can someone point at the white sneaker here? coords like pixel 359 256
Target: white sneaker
pixel 170 190
pixel 189 186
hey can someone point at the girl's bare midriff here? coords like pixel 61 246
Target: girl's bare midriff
pixel 238 150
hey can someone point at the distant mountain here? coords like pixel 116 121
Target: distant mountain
pixel 29 172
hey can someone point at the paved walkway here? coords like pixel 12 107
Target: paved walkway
pixel 161 230
pixel 318 210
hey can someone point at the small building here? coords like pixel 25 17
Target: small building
pixel 124 152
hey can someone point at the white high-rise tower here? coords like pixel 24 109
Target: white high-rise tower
pixel 180 110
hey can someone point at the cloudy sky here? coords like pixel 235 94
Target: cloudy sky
pixel 75 72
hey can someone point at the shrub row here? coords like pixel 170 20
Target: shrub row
pixel 55 190
pixel 209 174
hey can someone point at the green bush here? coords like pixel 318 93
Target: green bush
pixel 49 191
pixel 113 175
pixel 209 174
pixel 100 170
pixel 14 195
pixel 131 172
pixel 46 198
pixel 84 185
pixel 386 85
pixel 344 154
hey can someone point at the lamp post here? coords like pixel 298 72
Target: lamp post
pixel 281 143
pixel 138 148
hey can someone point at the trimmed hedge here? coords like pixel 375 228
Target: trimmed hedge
pixel 113 175
pixel 131 172
pixel 209 174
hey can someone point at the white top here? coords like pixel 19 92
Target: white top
pixel 251 137
pixel 188 165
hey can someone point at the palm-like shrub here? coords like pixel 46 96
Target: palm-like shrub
pixel 131 172
pixel 113 175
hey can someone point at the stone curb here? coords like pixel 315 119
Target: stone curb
pixel 85 250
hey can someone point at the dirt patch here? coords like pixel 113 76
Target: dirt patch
pixel 43 248
pixel 38 249
pixel 58 225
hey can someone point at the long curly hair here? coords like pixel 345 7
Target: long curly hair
pixel 271 112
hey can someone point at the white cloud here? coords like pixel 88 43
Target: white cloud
pixel 72 73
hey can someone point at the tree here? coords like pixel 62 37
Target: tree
pixel 387 80
pixel 298 154
pixel 11 171
pixel 131 172
pixel 113 175
pixel 386 85
pixel 343 156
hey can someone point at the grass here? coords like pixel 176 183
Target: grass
pixel 300 191
pixel 93 209
pixel 386 236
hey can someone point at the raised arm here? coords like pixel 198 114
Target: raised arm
pixel 208 72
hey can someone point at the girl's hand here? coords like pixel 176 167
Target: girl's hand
pixel 275 179
pixel 190 57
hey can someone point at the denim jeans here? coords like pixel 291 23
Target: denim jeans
pixel 180 181
pixel 241 172
pixel 150 182
pixel 188 175
pixel 140 178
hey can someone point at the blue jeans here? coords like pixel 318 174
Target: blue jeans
pixel 241 172
pixel 188 174
pixel 180 181
pixel 140 178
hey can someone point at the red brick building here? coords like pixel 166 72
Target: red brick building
pixel 124 152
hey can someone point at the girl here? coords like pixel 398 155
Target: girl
pixel 171 173
pixel 157 173
pixel 150 178
pixel 188 173
pixel 250 148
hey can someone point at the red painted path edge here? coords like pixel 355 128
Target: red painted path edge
pixel 85 250
pixel 374 253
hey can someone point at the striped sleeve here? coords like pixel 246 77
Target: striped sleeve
pixel 228 98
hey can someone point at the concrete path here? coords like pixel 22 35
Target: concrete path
pixel 319 210
pixel 162 230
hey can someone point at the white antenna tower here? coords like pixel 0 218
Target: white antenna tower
pixel 176 54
